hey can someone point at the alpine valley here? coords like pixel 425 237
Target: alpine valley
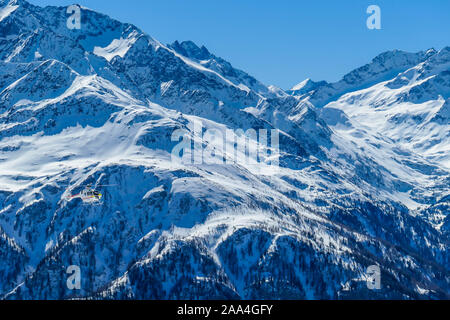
pixel 363 177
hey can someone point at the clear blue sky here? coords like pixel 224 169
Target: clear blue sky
pixel 285 41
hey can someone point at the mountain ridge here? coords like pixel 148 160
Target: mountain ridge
pixel 99 106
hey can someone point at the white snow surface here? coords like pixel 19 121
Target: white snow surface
pixel 363 177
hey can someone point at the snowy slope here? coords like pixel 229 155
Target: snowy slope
pixel 99 106
pixel 406 115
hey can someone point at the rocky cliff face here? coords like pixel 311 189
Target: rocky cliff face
pixel 363 177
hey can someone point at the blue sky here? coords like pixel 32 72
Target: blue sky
pixel 283 42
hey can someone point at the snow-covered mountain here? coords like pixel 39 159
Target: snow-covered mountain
pixel 363 175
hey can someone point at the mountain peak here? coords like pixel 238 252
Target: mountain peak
pixel 443 54
pixel 100 107
pixel 302 84
pixel 389 61
pixel 5 3
pixel 400 54
pixel 7 7
pixel 190 50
